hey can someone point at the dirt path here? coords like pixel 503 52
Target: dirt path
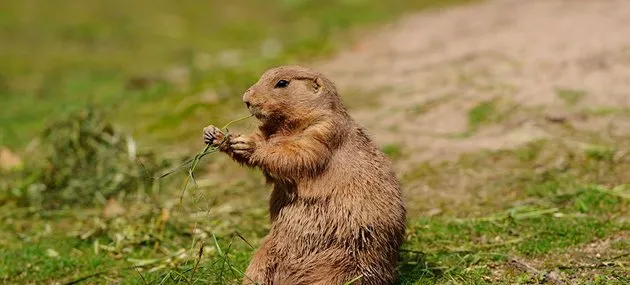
pixel 490 75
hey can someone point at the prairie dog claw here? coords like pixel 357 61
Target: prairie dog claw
pixel 213 135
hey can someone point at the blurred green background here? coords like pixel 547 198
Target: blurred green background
pixel 141 57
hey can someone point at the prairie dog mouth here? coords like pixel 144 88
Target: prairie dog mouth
pixel 254 110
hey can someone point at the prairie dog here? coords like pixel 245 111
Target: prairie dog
pixel 336 208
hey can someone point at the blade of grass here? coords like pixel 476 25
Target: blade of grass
pixel 206 150
pixel 192 274
pixel 354 280
pixel 225 257
pixel 144 281
pixel 616 191
pixel 181 276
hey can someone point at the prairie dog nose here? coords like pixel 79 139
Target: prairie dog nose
pixel 246 97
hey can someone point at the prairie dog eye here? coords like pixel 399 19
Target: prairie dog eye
pixel 282 83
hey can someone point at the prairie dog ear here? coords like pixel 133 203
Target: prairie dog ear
pixel 318 85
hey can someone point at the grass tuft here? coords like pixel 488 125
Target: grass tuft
pixel 571 97
pixel 85 160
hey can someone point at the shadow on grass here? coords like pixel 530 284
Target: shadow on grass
pixel 414 267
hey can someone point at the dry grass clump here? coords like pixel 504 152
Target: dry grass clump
pixel 83 159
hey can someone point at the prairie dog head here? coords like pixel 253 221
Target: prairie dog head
pixel 291 93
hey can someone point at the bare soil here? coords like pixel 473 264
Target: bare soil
pixel 537 62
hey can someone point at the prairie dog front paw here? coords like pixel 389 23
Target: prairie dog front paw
pixel 243 145
pixel 213 136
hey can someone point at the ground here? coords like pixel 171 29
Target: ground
pixel 507 122
pixel 528 59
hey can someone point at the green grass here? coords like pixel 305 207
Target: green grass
pixel 393 151
pixel 489 112
pixel 495 111
pixel 519 203
pixel 32 262
pixel 570 96
pixel 481 113
pixel 537 214
pixel 606 111
pixel 468 250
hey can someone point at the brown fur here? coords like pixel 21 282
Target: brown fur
pixel 336 208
